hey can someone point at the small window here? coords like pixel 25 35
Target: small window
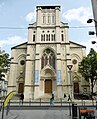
pixel 43 19
pixel 41 37
pixel 22 62
pixel 48 18
pixel 44 37
pixel 62 37
pixel 52 37
pixel 47 37
pixel 53 19
pixel 74 61
pixel 33 37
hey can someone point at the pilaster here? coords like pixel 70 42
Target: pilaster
pixel 29 74
pixel 12 73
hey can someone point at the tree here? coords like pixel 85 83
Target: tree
pixel 4 61
pixel 88 68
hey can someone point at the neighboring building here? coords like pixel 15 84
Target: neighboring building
pixel 39 66
pixel 3 87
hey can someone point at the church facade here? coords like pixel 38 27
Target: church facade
pixel 48 62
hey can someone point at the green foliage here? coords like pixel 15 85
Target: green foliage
pixel 88 67
pixel 4 61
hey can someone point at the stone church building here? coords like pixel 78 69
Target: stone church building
pixel 48 62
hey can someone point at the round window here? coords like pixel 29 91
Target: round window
pixel 22 62
pixel 74 61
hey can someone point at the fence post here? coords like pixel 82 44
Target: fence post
pixel 74 111
pixel 69 109
pixel 61 101
pixel 30 102
pixel 40 101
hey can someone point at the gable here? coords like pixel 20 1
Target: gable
pixel 20 46
pixel 76 45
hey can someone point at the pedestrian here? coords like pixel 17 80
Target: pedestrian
pixel 22 98
pixel 52 100
pixel 69 98
pixel 64 95
pixel 96 101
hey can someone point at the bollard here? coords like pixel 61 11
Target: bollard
pixel 74 111
pixel 40 101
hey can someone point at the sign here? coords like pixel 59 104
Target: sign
pixel 59 82
pixel 9 96
pixel 69 67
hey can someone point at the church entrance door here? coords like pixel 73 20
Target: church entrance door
pixel 48 86
pixel 21 88
pixel 76 87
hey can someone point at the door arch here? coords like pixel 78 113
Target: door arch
pixel 48 86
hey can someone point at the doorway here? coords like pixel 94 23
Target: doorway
pixel 76 87
pixel 21 88
pixel 48 86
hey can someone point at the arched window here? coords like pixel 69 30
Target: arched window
pixel 48 19
pixel 53 19
pixel 43 19
pixel 48 58
pixel 47 37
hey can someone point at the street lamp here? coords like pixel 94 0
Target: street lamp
pixel 70 67
pixel 93 42
pixel 92 33
pixel 90 21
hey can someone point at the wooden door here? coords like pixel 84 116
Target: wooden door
pixel 48 86
pixel 76 87
pixel 21 88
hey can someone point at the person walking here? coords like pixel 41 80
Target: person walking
pixel 69 98
pixel 22 97
pixel 52 100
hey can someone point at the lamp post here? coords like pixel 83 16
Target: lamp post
pixel 70 67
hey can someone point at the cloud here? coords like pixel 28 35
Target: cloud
pixel 81 14
pixel 89 45
pixel 30 16
pixel 11 41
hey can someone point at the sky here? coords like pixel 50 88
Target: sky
pixel 16 15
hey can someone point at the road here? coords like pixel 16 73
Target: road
pixel 25 112
pixel 39 112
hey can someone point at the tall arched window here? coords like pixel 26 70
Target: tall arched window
pixel 48 58
pixel 48 18
pixel 43 19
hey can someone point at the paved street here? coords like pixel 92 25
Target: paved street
pixel 45 111
pixel 37 114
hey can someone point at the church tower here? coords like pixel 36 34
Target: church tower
pixel 47 54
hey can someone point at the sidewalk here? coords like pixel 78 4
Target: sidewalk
pixel 36 114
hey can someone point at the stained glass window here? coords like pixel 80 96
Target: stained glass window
pixel 48 58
